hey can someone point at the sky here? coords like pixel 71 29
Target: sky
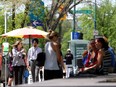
pixel 47 2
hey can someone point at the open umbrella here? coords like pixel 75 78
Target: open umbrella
pixel 27 32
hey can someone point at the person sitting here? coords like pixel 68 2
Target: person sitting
pixel 113 57
pixel 85 54
pixel 103 62
pixel 91 60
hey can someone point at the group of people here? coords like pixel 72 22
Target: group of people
pixel 20 60
pixel 98 58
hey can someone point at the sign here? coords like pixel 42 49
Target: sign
pixel 36 12
pixel 95 32
pixel 36 23
pixel 5 48
pixel 76 35
pixel 79 50
pixel 82 11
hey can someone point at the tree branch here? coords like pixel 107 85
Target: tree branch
pixel 75 4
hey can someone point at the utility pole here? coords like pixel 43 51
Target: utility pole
pixel 74 26
pixel 74 21
pixel 95 9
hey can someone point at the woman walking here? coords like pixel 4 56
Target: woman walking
pixel 53 57
pixel 19 61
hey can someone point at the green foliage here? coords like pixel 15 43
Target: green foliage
pixel 66 32
pixel 87 27
pixel 105 14
pixel 66 38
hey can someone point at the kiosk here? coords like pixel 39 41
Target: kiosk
pixel 77 48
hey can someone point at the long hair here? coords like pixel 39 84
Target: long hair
pixel 17 43
pixel 103 42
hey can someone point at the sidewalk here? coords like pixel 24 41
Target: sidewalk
pixel 99 81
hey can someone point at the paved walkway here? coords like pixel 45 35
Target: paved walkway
pixel 99 81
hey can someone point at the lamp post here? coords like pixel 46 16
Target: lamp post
pixel 5 44
pixel 5 28
pixel 74 26
pixel 95 25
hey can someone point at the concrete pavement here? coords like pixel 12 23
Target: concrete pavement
pixel 99 81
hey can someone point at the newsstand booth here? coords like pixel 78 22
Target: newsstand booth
pixel 77 47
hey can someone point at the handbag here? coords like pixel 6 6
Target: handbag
pixel 26 73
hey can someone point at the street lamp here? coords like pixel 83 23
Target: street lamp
pixel 95 8
pixel 5 44
pixel 74 21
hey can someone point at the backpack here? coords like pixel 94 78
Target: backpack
pixel 40 59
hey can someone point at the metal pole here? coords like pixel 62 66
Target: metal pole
pixel 5 24
pixel 5 21
pixel 74 26
pixel 74 16
pixel 95 26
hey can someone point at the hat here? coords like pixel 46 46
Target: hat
pixel 68 50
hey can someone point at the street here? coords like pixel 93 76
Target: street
pixel 99 81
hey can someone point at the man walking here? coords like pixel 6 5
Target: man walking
pixel 69 58
pixel 32 56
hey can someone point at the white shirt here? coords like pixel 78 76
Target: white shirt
pixel 32 53
pixel 17 58
pixel 51 58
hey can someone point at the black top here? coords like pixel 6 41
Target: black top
pixel 40 59
pixel 69 58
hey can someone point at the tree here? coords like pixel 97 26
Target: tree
pixel 106 14
pixel 52 17
pixel 50 20
pixel 60 7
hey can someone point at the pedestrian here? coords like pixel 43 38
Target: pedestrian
pixel 68 58
pixel 10 68
pixel 32 56
pixel 19 61
pixel 53 57
pixel 60 66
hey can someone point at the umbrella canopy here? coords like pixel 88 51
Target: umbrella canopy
pixel 27 32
